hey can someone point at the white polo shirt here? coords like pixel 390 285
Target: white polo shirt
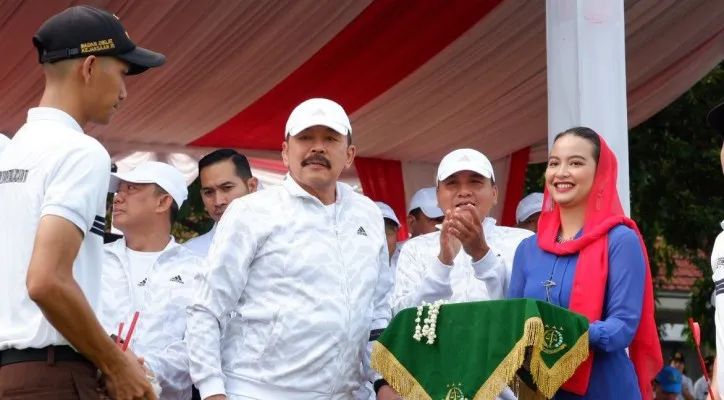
pixel 49 168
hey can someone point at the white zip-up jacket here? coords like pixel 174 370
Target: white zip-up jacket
pixel 159 332
pixel 310 284
pixel 422 277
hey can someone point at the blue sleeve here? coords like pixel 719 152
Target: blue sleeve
pixel 517 278
pixel 624 293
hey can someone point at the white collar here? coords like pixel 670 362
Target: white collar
pixel 53 114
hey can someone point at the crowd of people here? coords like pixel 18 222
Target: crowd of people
pixel 286 295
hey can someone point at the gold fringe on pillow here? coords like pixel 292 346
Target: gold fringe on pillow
pixel 396 374
pixel 549 380
pixel 506 370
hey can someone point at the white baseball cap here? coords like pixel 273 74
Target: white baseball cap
pixel 531 204
pixel 4 140
pixel 318 112
pixel 465 160
pixel 387 212
pixel 426 200
pixel 162 174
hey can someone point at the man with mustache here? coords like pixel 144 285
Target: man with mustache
pixel 225 175
pixel 305 266
pixel 470 258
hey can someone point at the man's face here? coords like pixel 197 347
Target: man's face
pixel 391 230
pixel 135 204
pixel 105 88
pixel 467 187
pixel 316 156
pixel 661 395
pixel 531 223
pixel 421 224
pixel 220 185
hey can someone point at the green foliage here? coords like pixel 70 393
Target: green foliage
pixel 192 219
pixel 676 188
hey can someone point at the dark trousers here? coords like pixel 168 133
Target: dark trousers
pixel 49 380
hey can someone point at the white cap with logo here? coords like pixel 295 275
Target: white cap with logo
pixel 426 200
pixel 531 204
pixel 162 174
pixel 465 160
pixel 387 212
pixel 318 112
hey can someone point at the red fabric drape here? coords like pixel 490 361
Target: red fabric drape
pixel 382 180
pixel 376 51
pixel 515 186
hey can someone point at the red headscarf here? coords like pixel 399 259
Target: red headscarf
pixel 603 212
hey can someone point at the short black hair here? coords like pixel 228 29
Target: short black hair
pixel 417 214
pixel 391 224
pixel 243 169
pixel 173 211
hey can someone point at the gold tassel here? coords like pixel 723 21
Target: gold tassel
pixel 549 380
pixel 396 374
pixel 506 370
pixel 524 392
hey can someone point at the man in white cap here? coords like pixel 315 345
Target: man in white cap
pixel 392 228
pixel 424 213
pixel 311 292
pixel 147 271
pixel 528 212
pixel 4 140
pixel 470 258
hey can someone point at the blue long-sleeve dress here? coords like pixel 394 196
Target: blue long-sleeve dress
pixel 613 375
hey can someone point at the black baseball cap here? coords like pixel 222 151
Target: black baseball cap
pixel 82 31
pixel 716 118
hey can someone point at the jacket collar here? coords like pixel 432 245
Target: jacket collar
pixel 119 246
pixel 296 190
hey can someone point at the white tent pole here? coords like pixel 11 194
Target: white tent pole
pixel 587 75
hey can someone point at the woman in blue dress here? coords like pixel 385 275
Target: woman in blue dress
pixel 589 257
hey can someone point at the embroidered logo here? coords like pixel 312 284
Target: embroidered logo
pixel 553 339
pixel 455 393
pixel 319 113
pixel 463 158
pixel 719 263
pixel 177 279
pixel 143 282
pixel 361 231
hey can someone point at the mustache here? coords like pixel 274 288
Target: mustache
pixel 316 159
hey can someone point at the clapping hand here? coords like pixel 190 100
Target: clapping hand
pixel 465 225
pixel 449 244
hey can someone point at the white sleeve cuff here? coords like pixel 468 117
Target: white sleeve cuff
pixel 483 265
pixel 440 272
pixel 211 386
pixel 68 214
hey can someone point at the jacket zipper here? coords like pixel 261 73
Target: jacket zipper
pixel 346 291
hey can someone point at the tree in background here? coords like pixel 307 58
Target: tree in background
pixel 192 219
pixel 677 188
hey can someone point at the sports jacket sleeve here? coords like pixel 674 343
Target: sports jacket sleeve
pixel 218 290
pixel 717 267
pixel 420 277
pixel 382 312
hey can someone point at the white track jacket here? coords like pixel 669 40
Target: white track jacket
pixel 159 333
pixel 310 285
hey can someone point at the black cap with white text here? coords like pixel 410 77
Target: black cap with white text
pixel 82 31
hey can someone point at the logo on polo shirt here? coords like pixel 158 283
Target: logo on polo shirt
pixel 177 279
pixel 361 231
pixel 13 176
pixel 143 282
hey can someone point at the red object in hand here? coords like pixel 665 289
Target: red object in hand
pixel 127 340
pixel 696 333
